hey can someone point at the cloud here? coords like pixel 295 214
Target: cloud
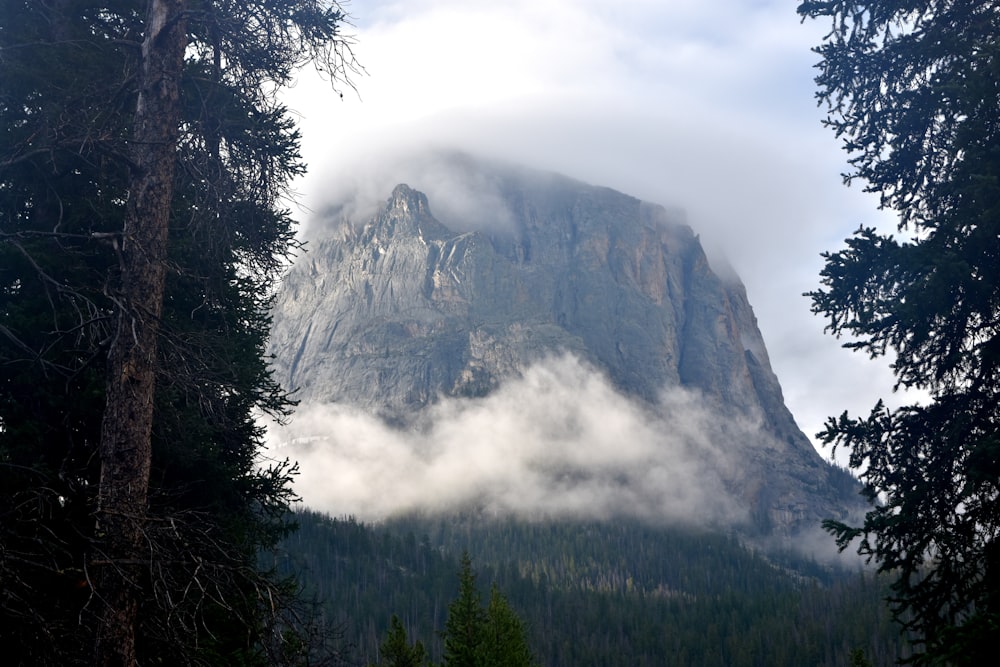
pixel 461 195
pixel 558 441
pixel 705 105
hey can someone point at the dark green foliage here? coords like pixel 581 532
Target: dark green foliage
pixel 475 636
pixel 596 594
pixel 67 97
pixel 858 659
pixel 504 643
pixel 913 89
pixel 464 639
pixel 363 578
pixel 396 650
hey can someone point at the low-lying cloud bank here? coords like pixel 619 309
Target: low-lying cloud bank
pixel 558 441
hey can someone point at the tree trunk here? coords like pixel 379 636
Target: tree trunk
pixel 126 446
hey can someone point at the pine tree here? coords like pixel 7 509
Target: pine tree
pixel 463 636
pixel 134 400
pixel 505 643
pixel 477 636
pixel 396 650
pixel 913 89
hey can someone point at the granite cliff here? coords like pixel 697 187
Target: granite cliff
pixel 392 313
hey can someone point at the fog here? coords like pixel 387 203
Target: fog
pixel 557 442
pixel 706 106
pixel 462 195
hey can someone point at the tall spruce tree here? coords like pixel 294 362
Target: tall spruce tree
pixel 913 89
pixel 478 636
pixel 504 642
pixel 397 651
pixel 142 164
pixel 463 636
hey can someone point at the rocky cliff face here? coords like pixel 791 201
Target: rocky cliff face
pixel 392 314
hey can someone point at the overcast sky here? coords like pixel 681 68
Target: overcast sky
pixel 707 105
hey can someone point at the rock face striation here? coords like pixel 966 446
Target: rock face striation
pixel 392 314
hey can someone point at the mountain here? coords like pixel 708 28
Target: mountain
pixel 395 312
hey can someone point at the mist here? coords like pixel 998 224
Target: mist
pixel 462 195
pixel 557 442
pixel 704 106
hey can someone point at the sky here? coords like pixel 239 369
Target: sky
pixel 705 105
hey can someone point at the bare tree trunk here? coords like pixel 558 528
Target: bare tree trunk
pixel 126 446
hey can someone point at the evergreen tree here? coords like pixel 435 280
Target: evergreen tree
pixel 477 636
pixel 464 629
pixel 397 651
pixel 913 88
pixel 504 643
pixel 142 163
pixel 858 659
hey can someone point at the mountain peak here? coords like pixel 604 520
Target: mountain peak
pixel 410 313
pixel 407 200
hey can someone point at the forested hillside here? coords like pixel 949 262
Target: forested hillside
pixel 593 593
